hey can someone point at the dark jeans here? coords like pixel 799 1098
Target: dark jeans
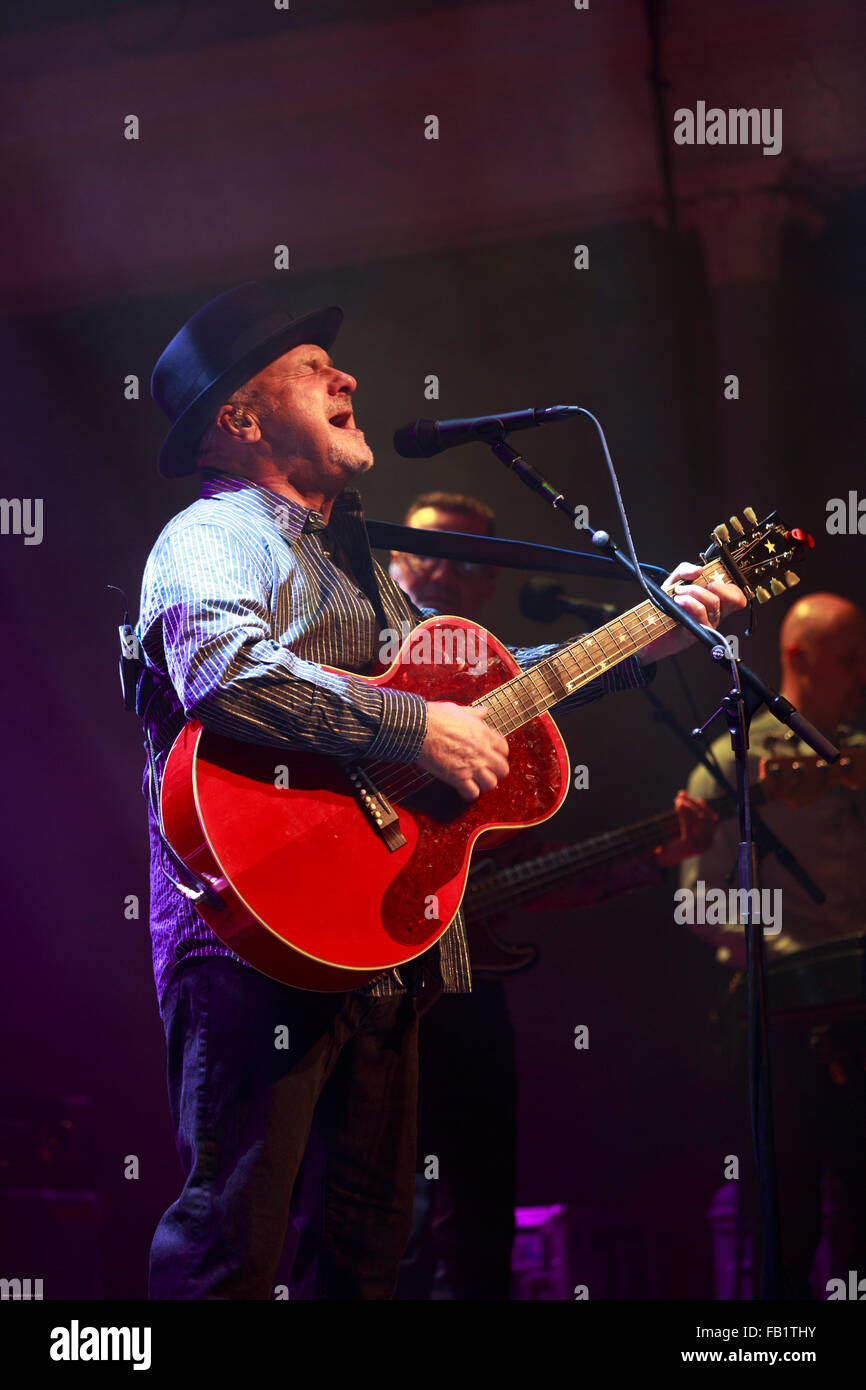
pixel 463 1220
pixel 242 1109
pixel 463 1227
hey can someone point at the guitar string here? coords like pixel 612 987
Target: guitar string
pixel 565 669
pixel 399 781
pixel 523 881
pixel 531 879
pixel 402 781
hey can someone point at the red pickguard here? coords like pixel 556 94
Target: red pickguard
pixel 313 896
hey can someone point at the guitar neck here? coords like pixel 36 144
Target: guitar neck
pixel 522 882
pixel 766 548
pixel 577 663
pixel 803 781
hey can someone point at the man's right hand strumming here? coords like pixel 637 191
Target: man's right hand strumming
pixel 462 750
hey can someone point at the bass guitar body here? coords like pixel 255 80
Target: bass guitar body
pixel 332 873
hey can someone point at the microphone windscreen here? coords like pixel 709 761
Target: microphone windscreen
pixel 420 440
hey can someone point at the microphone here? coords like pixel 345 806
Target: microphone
pixel 545 599
pixel 424 438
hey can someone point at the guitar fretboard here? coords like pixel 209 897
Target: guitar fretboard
pixel 577 663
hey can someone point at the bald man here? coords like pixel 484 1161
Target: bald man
pixel 822 648
pixel 819 1096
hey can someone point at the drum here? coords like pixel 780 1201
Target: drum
pixel 821 983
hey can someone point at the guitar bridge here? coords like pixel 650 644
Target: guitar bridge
pixel 377 808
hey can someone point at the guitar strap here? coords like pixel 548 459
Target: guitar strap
pixel 350 534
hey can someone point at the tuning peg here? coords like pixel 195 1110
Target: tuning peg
pixel 762 595
pixel 722 533
pixel 801 539
pixel 737 525
pixel 749 514
pixel 791 578
pixel 776 587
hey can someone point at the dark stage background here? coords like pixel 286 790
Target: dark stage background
pixel 452 258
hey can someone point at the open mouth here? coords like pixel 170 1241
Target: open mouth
pixel 344 420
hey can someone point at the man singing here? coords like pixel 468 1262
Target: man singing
pixel 247 594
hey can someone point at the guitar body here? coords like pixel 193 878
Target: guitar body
pixel 316 894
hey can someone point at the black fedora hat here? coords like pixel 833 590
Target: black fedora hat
pixel 225 343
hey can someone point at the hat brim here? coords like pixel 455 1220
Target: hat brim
pixel 178 451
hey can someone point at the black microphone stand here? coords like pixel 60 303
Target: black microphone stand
pixel 747 693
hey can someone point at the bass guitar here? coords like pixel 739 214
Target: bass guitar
pixel 796 781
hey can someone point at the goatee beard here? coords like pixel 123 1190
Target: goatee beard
pixel 346 459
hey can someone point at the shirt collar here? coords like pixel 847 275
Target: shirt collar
pixel 290 518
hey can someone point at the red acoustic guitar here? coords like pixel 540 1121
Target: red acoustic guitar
pixel 331 873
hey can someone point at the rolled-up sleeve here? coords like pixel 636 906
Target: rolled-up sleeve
pixel 206 610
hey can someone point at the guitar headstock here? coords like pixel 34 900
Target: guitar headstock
pixel 756 555
pixel 800 781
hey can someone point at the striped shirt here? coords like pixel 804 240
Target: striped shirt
pixel 246 596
